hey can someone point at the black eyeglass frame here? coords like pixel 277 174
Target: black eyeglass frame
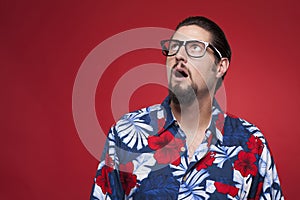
pixel 184 43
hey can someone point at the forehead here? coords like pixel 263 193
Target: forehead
pixel 192 32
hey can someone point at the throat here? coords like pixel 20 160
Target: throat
pixel 193 141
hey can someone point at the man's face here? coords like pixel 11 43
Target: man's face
pixel 190 77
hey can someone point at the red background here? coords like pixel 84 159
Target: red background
pixel 43 44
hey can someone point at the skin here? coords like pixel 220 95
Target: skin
pixel 194 114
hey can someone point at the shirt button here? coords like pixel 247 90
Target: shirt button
pixel 182 148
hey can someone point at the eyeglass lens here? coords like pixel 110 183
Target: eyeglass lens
pixel 193 48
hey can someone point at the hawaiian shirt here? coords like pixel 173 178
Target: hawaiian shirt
pixel 146 157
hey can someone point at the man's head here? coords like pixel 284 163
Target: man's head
pixel 198 58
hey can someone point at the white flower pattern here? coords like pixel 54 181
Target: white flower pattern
pixel 191 189
pixel 133 130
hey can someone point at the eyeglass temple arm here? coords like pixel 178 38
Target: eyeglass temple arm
pixel 216 50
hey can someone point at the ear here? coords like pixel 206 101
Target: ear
pixel 222 67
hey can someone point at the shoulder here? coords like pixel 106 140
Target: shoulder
pixel 237 124
pixel 240 131
pixel 132 129
pixel 143 115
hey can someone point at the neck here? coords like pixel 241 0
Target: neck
pixel 195 117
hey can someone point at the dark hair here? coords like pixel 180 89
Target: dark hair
pixel 218 37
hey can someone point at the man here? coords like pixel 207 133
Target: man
pixel 187 147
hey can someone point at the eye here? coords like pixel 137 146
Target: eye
pixel 196 47
pixel 173 46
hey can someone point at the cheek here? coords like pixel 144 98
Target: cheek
pixel 202 75
pixel 168 67
pixel 214 68
pixel 206 69
pixel 170 61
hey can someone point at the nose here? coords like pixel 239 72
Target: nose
pixel 181 54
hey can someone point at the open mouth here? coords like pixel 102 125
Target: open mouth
pixel 180 74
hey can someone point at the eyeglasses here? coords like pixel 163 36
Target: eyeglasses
pixel 193 48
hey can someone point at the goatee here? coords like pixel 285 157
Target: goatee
pixel 182 96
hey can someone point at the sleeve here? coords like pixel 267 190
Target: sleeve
pixel 107 184
pixel 267 185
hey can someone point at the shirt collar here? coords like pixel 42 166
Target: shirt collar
pixel 168 113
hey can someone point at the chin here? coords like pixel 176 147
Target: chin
pixel 183 95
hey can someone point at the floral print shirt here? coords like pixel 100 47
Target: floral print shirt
pixel 146 157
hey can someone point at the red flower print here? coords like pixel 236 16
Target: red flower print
pixel 127 178
pixel 167 148
pixel 258 191
pixel 128 181
pixel 226 189
pixel 167 155
pixel 158 142
pixel 255 145
pixel 206 161
pixel 128 167
pixel 109 161
pixel 103 180
pixel 246 163
pixel 160 124
pixel 220 122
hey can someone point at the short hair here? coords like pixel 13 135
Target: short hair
pixel 218 37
